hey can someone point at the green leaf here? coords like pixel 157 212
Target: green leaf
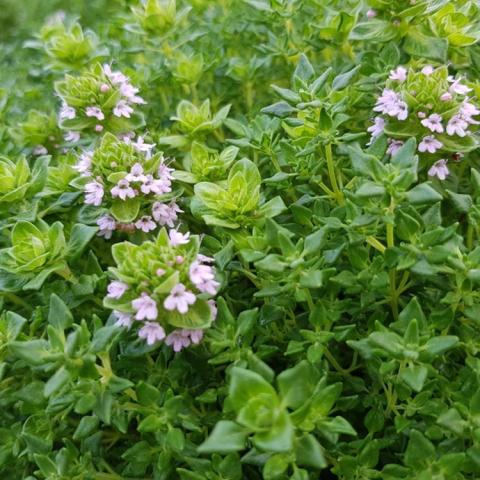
pixel 46 465
pixel 296 384
pixel 309 452
pixel 59 314
pixel 199 315
pixel 15 324
pixel 273 207
pixel 280 436
pixel 275 467
pixel 227 436
pixel 104 337
pixel 304 69
pixel 87 426
pixel 80 236
pixel 343 80
pixel 419 450
pixel 414 376
pixel 57 382
pixel 34 352
pixel 439 345
pixel 279 109
pixel 423 46
pixel 422 194
pixel 462 202
pixel 125 210
pixel 245 385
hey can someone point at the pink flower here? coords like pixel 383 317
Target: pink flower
pixel 467 110
pixel 178 340
pixel 400 74
pixel 208 286
pixel 105 87
pixel 385 101
pixel 122 109
pixel 400 111
pixel 152 332
pixel 391 104
pixel 371 13
pixel 67 112
pixel 93 193
pixel 439 169
pixel 429 144
pixel 457 87
pixel 204 259
pixel 98 128
pixel 115 77
pixel 123 319
pixel 146 224
pixel 140 145
pixel 136 174
pixel 123 190
pixel 427 70
pixel 166 214
pixel 213 308
pixel 195 335
pixel 457 126
pixel 83 166
pixel 128 90
pixel 179 299
pixel 116 289
pixel 199 273
pixel 433 122
pixel 151 185
pixel 177 238
pixel 446 97
pixel 164 171
pixel 145 307
pixel 72 137
pixel 394 146
pixel 40 150
pixel 94 112
pixel 377 128
pixel 107 225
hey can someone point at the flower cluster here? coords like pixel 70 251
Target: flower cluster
pixel 98 101
pixel 132 184
pixel 432 106
pixel 163 288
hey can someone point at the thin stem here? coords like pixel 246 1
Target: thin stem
pixel 67 274
pixel 371 240
pixel 11 297
pixel 470 236
pixel 249 94
pixel 392 273
pixel 331 173
pixel 334 363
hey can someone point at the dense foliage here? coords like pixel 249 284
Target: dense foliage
pixel 239 239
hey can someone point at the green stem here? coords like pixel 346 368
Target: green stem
pixel 194 92
pixel 331 174
pixel 470 236
pixel 249 95
pixel 11 297
pixel 67 274
pixel 392 273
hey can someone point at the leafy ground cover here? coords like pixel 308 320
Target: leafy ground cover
pixel 239 239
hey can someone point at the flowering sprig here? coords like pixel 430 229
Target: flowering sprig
pixel 100 100
pixel 431 106
pixel 163 289
pixel 130 183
